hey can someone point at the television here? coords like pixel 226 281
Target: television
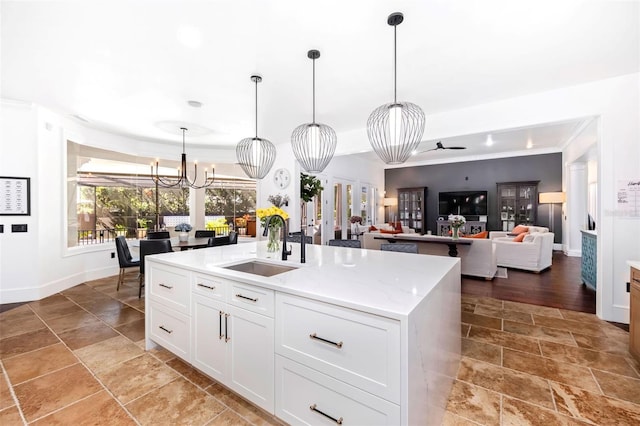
pixel 465 203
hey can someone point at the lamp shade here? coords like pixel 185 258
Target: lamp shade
pixel 551 197
pixel 388 202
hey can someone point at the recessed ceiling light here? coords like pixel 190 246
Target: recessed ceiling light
pixel 489 140
pixel 529 144
pixel 195 104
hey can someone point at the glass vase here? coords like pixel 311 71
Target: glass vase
pixel 455 235
pixel 273 242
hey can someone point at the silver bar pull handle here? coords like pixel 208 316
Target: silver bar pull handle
pixel 226 330
pixel 220 335
pixel 163 328
pixel 166 286
pixel 312 407
pixel 247 298
pixel 207 286
pixel 315 336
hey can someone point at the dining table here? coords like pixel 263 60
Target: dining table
pixel 191 243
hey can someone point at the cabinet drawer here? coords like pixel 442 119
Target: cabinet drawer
pixel 169 329
pixel 210 286
pixel 358 348
pixel 169 286
pixel 252 298
pixel 305 396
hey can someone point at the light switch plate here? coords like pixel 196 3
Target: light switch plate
pixel 19 227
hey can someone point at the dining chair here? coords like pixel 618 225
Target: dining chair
pixel 233 237
pixel 345 243
pixel 157 235
pixel 202 233
pixel 125 260
pixel 400 247
pixel 148 247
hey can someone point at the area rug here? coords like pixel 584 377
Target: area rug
pixel 502 272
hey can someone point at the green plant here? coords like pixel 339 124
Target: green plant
pixel 143 223
pixel 310 186
pixel 120 227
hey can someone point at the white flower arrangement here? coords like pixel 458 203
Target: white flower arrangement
pixel 456 220
pixel 183 227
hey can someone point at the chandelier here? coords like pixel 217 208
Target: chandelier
pixel 256 155
pixel 395 129
pixel 314 144
pixel 182 180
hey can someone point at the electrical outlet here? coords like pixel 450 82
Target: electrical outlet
pixel 113 255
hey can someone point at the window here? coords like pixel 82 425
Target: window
pixel 111 194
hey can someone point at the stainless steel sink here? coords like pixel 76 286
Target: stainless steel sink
pixel 260 268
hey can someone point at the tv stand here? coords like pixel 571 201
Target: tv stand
pixel 469 228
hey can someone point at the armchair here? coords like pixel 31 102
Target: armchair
pixel 534 253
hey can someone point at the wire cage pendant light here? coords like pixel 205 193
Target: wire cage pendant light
pixel 395 129
pixel 256 155
pixel 314 143
pixel 182 180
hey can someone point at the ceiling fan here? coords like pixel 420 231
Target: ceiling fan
pixel 440 146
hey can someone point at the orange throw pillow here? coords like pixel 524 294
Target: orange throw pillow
pixel 481 235
pixel 396 225
pixel 384 231
pixel 520 229
pixel 372 228
pixel 520 237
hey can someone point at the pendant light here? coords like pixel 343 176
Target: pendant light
pixel 314 144
pixel 395 129
pixel 182 180
pixel 256 155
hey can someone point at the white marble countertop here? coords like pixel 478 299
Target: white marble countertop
pixel 383 283
pixel 634 264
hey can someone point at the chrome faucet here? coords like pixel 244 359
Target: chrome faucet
pixel 285 252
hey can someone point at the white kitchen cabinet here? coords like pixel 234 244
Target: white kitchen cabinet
pixel 306 396
pixel 251 356
pixel 234 345
pixel 342 337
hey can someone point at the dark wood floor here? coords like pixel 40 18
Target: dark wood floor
pixel 559 286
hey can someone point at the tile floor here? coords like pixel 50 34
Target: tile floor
pixel 532 365
pixel 78 358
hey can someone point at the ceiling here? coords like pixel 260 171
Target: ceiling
pixel 130 67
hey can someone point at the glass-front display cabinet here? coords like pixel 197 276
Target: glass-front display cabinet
pixel 411 208
pixel 517 203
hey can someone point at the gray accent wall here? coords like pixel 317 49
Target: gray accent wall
pixel 483 176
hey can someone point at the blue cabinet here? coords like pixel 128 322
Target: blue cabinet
pixel 589 258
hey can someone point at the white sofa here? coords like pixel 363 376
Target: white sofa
pixel 534 253
pixel 477 259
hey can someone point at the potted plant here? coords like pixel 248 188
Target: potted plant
pixel 310 187
pixel 183 229
pixel 143 224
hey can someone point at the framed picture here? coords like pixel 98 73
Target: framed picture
pixel 15 194
pixel 504 216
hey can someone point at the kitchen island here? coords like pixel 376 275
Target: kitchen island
pixel 352 336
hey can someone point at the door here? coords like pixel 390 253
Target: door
pixel 251 356
pixel 209 347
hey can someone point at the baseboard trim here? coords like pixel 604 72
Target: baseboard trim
pixel 47 289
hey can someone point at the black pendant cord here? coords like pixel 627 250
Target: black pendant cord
pixel 314 91
pixel 395 66
pixel 256 108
